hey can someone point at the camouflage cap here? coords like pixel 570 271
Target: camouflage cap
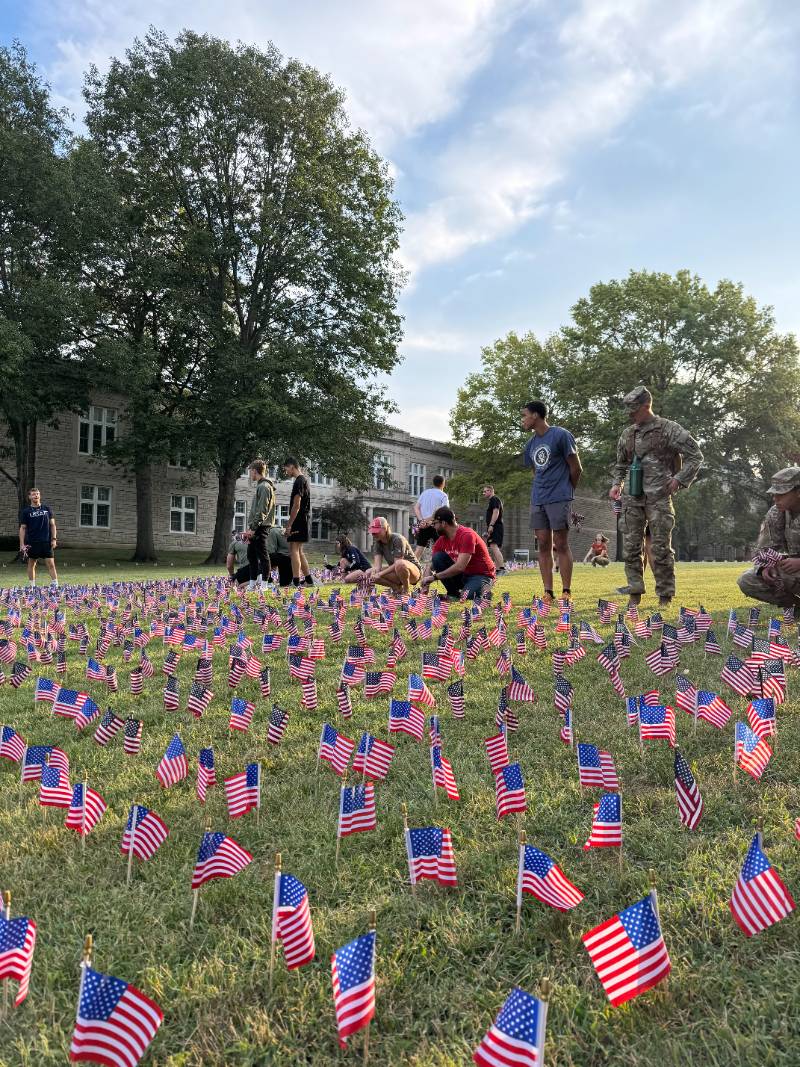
pixel 638 396
pixel 785 481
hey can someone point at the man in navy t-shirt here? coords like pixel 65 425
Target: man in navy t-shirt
pixel 37 536
pixel 552 453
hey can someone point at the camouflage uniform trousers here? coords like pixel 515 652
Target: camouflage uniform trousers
pixel 786 593
pixel 660 518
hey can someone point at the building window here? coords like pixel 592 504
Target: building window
pixel 282 514
pixel 316 478
pixel 181 458
pixel 183 514
pixel 96 506
pixel 446 473
pixel 416 478
pixel 96 429
pixel 275 473
pixel 320 530
pixel 239 516
pixel 381 472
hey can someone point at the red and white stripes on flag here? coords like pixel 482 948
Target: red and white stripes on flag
pixel 628 951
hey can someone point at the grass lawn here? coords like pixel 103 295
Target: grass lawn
pixel 446 959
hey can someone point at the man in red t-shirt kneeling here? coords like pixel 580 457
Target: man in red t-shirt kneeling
pixel 460 560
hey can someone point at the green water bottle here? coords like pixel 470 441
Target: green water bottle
pixel 636 477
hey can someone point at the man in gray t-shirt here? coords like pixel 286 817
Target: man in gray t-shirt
pixel 429 501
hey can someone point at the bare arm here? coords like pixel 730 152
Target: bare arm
pixel 417 512
pixel 494 517
pixel 575 469
pixel 53 532
pixel 229 563
pixel 23 533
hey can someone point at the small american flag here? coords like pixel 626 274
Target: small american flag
pixel 738 676
pixel 136 682
pixel 145 832
pixel 17 942
pixel 206 773
pixel 404 718
pixel 455 694
pixel 540 876
pixel 87 711
pixel 566 727
pixel 243 791
pixel 712 708
pixel 430 855
pixel 199 699
pixel 655 722
pixel 54 788
pixel 509 791
pixel 353 977
pixel 596 768
pixel 335 749
pixel 115 1020
pixel 343 701
pixel 241 714
pixel 690 803
pixel 218 857
pixel 517 1034
pixel 46 690
pixel 418 691
pixel 628 952
pixel 108 726
pixel 442 771
pixel 132 736
pixel 291 921
pixel 759 899
pixel 309 698
pixel 174 766
pixel 563 693
pixel 435 666
pixel 356 809
pixel 171 694
pixel 85 811
pixel 497 751
pixel 278 721
pixel 761 716
pixel 264 682
pixel 12 746
pixel 752 752
pixel 68 702
pixel 606 829
pixel 518 688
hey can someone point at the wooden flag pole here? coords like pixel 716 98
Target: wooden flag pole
pixel 760 832
pixel 21 772
pixel 131 843
pixel 404 809
pixel 273 946
pixel 196 892
pixel 695 711
pixel 735 760
pixel 621 840
pixel 339 827
pixel 83 811
pixel 7 909
pixel 545 992
pixel 372 926
pixel 520 864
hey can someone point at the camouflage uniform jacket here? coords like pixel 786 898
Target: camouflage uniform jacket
pixel 780 530
pixel 665 450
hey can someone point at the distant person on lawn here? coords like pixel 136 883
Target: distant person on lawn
pixel 598 551
pixel 461 559
pixel 495 531
pixel 779 583
pixel 38 536
pixel 394 563
pixel 427 502
pixel 353 564
pixel 260 521
pixel 297 529
pixel 553 454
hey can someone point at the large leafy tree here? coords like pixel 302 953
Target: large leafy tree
pixel 282 223
pixel 41 370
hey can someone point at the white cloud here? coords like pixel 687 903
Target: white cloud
pixel 429 422
pixel 437 341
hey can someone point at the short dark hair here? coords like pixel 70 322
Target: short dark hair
pixel 444 515
pixel 438 480
pixel 290 461
pixel 537 407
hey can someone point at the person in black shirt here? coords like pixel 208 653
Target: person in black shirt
pixel 494 528
pixel 299 515
pixel 353 563
pixel 38 536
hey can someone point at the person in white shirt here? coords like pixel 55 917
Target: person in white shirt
pixel 428 502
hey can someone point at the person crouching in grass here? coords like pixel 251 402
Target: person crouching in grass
pixel 461 560
pixel 353 564
pixel 394 563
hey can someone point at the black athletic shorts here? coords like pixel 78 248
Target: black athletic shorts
pixel 299 534
pixel 425 536
pixel 40 550
pixel 497 535
pixel 243 574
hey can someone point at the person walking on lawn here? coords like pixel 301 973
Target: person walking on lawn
pixel 260 521
pixel 297 531
pixel 38 536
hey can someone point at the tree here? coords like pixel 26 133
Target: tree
pixel 283 222
pixel 344 513
pixel 41 369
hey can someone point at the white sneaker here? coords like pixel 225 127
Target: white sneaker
pixel 251 586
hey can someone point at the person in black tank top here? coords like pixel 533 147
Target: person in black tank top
pixel 299 519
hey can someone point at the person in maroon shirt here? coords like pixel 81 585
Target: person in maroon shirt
pixel 460 560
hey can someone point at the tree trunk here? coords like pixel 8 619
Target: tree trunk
pixel 145 551
pixel 24 434
pixel 224 520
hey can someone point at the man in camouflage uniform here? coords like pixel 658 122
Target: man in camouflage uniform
pixel 670 459
pixel 779 583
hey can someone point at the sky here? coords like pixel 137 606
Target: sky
pixel 537 147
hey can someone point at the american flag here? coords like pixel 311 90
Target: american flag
pixel 218 857
pixel 206 773
pixel 509 791
pixel 685 694
pixel 608 659
pixel 271 642
pixel 662 659
pixel 587 632
pixel 46 690
pixel 243 791
pixel 517 1034
pixel 655 722
pixel 497 751
pixel 606 829
pixel 632 710
pixel 455 694
pixel 566 727
pixel 12 746
pixel 378 759
pixel 771 681
pixel 85 810
pixel 171 661
pixel 276 727
pixel 628 952
pixel 356 809
pixel 291 921
pixel 377 683
pixel 563 693
pixel 761 716
pixel 108 726
pixel 309 698
pixel 94 672
pixel 518 688
pixel 145 832
pixel 353 673
pixel 759 899
pixel 136 682
pixel 174 766
pixel 712 708
pixel 171 694
pixel 752 752
pixel 54 788
pixel 596 768
pixel 116 1023
pixel 443 777
pixel 235 672
pixel 404 718
pixel 68 702
pixel 34 759
pixel 690 803
pixel 204 671
pixel 199 699
pixel 111 679
pixel 435 666
pixel 253 667
pixel 503 664
pixel 738 676
pixel 430 855
pixel 353 977
pixel 398 648
pixel 335 749
pixel 418 691
pixel 17 942
pixel 146 665
pixel 541 876
pixel 88 711
pixel 132 736
pixel 241 714
pixel 301 668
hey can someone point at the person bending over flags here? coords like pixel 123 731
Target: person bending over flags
pixel 353 564
pixel 260 521
pixel 461 560
pixel 237 561
pixel 598 551
pixel 280 554
pixel 38 536
pixel 394 562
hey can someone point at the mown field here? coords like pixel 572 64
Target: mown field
pixel 446 959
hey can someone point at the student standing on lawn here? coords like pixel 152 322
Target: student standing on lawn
pixel 461 560
pixel 260 521
pixel 427 502
pixel 394 562
pixel 38 536
pixel 552 452
pixel 299 515
pixel 495 531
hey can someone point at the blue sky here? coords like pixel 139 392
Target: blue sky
pixel 537 147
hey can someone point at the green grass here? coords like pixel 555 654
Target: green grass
pixel 446 959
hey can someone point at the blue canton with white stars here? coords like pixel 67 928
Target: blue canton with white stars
pixel 291 891
pixel 100 994
pixel 588 756
pixel 354 799
pixel 209 846
pixel 641 924
pixel 12 933
pixel 425 842
pixel 512 776
pixel 537 861
pixel 609 809
pixel 354 961
pixel 755 862
pixel 519 1016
